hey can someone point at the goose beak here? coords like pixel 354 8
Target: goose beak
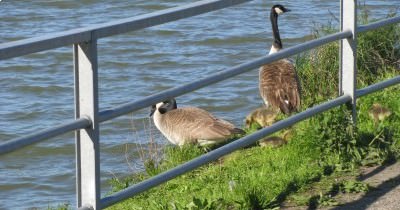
pixel 287 10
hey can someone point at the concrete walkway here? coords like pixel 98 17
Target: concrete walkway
pixel 386 193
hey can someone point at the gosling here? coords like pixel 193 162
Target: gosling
pixel 263 116
pixel 378 113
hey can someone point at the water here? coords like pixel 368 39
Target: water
pixel 37 90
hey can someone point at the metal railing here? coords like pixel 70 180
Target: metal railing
pixel 88 116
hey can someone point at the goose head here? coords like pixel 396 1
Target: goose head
pixel 163 107
pixel 275 11
pixel 278 9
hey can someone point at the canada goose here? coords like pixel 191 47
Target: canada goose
pixel 378 113
pixel 279 85
pixel 263 116
pixel 190 124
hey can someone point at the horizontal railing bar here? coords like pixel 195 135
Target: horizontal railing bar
pixel 378 24
pixel 377 86
pixel 85 208
pixel 217 77
pixel 55 40
pixel 14 144
pixel 163 16
pixel 42 43
pixel 245 141
pixel 18 143
pixel 217 153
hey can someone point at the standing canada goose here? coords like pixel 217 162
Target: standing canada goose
pixel 279 85
pixel 190 124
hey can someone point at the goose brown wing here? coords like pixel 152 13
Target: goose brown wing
pixel 279 85
pixel 195 123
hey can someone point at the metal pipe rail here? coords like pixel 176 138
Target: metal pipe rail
pixel 88 117
pixel 243 142
pixel 180 90
pixel 56 40
pixel 219 152
pixel 378 24
pixel 24 141
pixel 173 92
pixel 217 77
pixel 147 101
pixel 189 87
pixel 240 143
pixel 378 86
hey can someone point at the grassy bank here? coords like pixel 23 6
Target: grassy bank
pixel 319 148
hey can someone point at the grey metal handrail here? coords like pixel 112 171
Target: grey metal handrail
pixel 378 24
pixel 88 117
pixel 55 40
pixel 217 77
pixel 180 90
pixel 378 86
pixel 148 101
pixel 243 142
pixel 219 152
pixel 27 140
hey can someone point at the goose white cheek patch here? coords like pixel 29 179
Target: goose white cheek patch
pixel 278 11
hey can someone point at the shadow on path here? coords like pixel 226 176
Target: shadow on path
pixel 377 194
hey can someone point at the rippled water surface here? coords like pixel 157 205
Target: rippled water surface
pixel 37 89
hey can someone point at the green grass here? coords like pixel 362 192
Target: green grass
pixel 236 179
pixel 263 178
pixel 324 192
pixel 65 206
pixel 319 149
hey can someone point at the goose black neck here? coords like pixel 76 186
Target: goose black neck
pixel 275 30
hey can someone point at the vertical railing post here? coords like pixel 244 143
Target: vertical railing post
pixel 87 140
pixel 340 92
pixel 348 52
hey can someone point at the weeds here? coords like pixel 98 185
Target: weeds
pixel 353 187
pixel 150 155
pixel 65 206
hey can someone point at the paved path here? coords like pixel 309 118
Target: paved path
pixel 385 196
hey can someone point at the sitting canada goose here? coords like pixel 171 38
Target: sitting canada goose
pixel 279 85
pixel 190 124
